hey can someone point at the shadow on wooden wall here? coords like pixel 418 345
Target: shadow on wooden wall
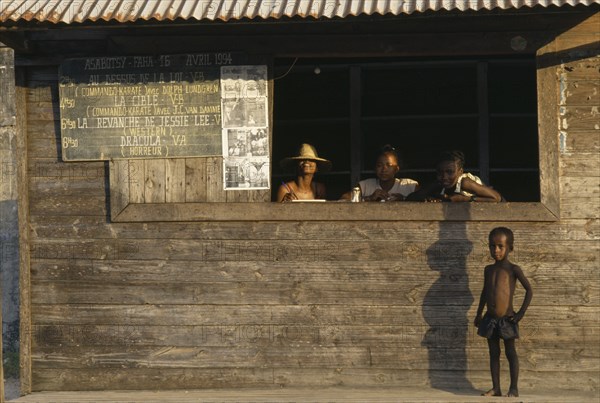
pixel 445 308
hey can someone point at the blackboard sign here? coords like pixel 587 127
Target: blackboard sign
pixel 162 106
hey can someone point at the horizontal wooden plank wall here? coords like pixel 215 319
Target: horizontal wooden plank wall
pixel 258 304
pixel 179 180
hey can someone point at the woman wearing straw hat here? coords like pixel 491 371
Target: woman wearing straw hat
pixel 306 164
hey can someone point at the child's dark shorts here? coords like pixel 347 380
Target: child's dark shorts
pixel 502 328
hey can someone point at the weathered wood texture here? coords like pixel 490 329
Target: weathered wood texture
pixel 7 170
pixel 177 180
pixel 579 119
pixel 1 359
pixel 25 369
pixel 269 303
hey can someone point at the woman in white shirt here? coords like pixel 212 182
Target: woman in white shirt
pixel 386 187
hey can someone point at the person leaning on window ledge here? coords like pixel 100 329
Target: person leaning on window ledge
pixel 386 187
pixel 454 185
pixel 305 164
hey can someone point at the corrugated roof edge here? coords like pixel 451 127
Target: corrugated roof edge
pixel 126 11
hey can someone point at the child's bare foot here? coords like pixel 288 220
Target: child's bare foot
pixel 492 392
pixel 512 393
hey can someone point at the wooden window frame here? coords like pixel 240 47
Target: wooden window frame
pixel 124 209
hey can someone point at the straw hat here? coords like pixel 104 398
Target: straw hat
pixel 307 152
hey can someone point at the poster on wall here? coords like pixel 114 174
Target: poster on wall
pixel 245 135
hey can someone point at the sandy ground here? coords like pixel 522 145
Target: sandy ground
pixel 306 395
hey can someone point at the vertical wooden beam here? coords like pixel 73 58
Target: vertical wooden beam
pixel 119 186
pixel 483 124
pixel 154 181
pixel 8 195
pixel 25 329
pixel 136 181
pixel 215 191
pixel 175 180
pixel 548 128
pixel 355 124
pixel 266 196
pixel 1 359
pixel 195 180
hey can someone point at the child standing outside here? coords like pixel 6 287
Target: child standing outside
pixel 500 321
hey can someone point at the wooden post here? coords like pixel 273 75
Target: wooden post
pixel 355 126
pixel 23 217
pixel 484 122
pixel 7 194
pixel 1 359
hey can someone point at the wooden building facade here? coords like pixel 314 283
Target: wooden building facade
pixel 146 273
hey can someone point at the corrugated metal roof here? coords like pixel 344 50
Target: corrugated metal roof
pixel 74 11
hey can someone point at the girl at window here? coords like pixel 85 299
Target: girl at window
pixel 455 185
pixel 306 164
pixel 386 187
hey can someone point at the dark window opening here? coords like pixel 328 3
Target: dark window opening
pixel 349 108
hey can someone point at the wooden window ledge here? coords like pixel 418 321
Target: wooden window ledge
pixel 331 211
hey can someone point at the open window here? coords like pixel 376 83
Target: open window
pixel 350 108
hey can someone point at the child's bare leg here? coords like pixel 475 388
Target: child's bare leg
pixel 494 348
pixel 513 362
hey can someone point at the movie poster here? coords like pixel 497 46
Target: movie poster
pixel 245 127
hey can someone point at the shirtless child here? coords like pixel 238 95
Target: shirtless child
pixel 500 321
